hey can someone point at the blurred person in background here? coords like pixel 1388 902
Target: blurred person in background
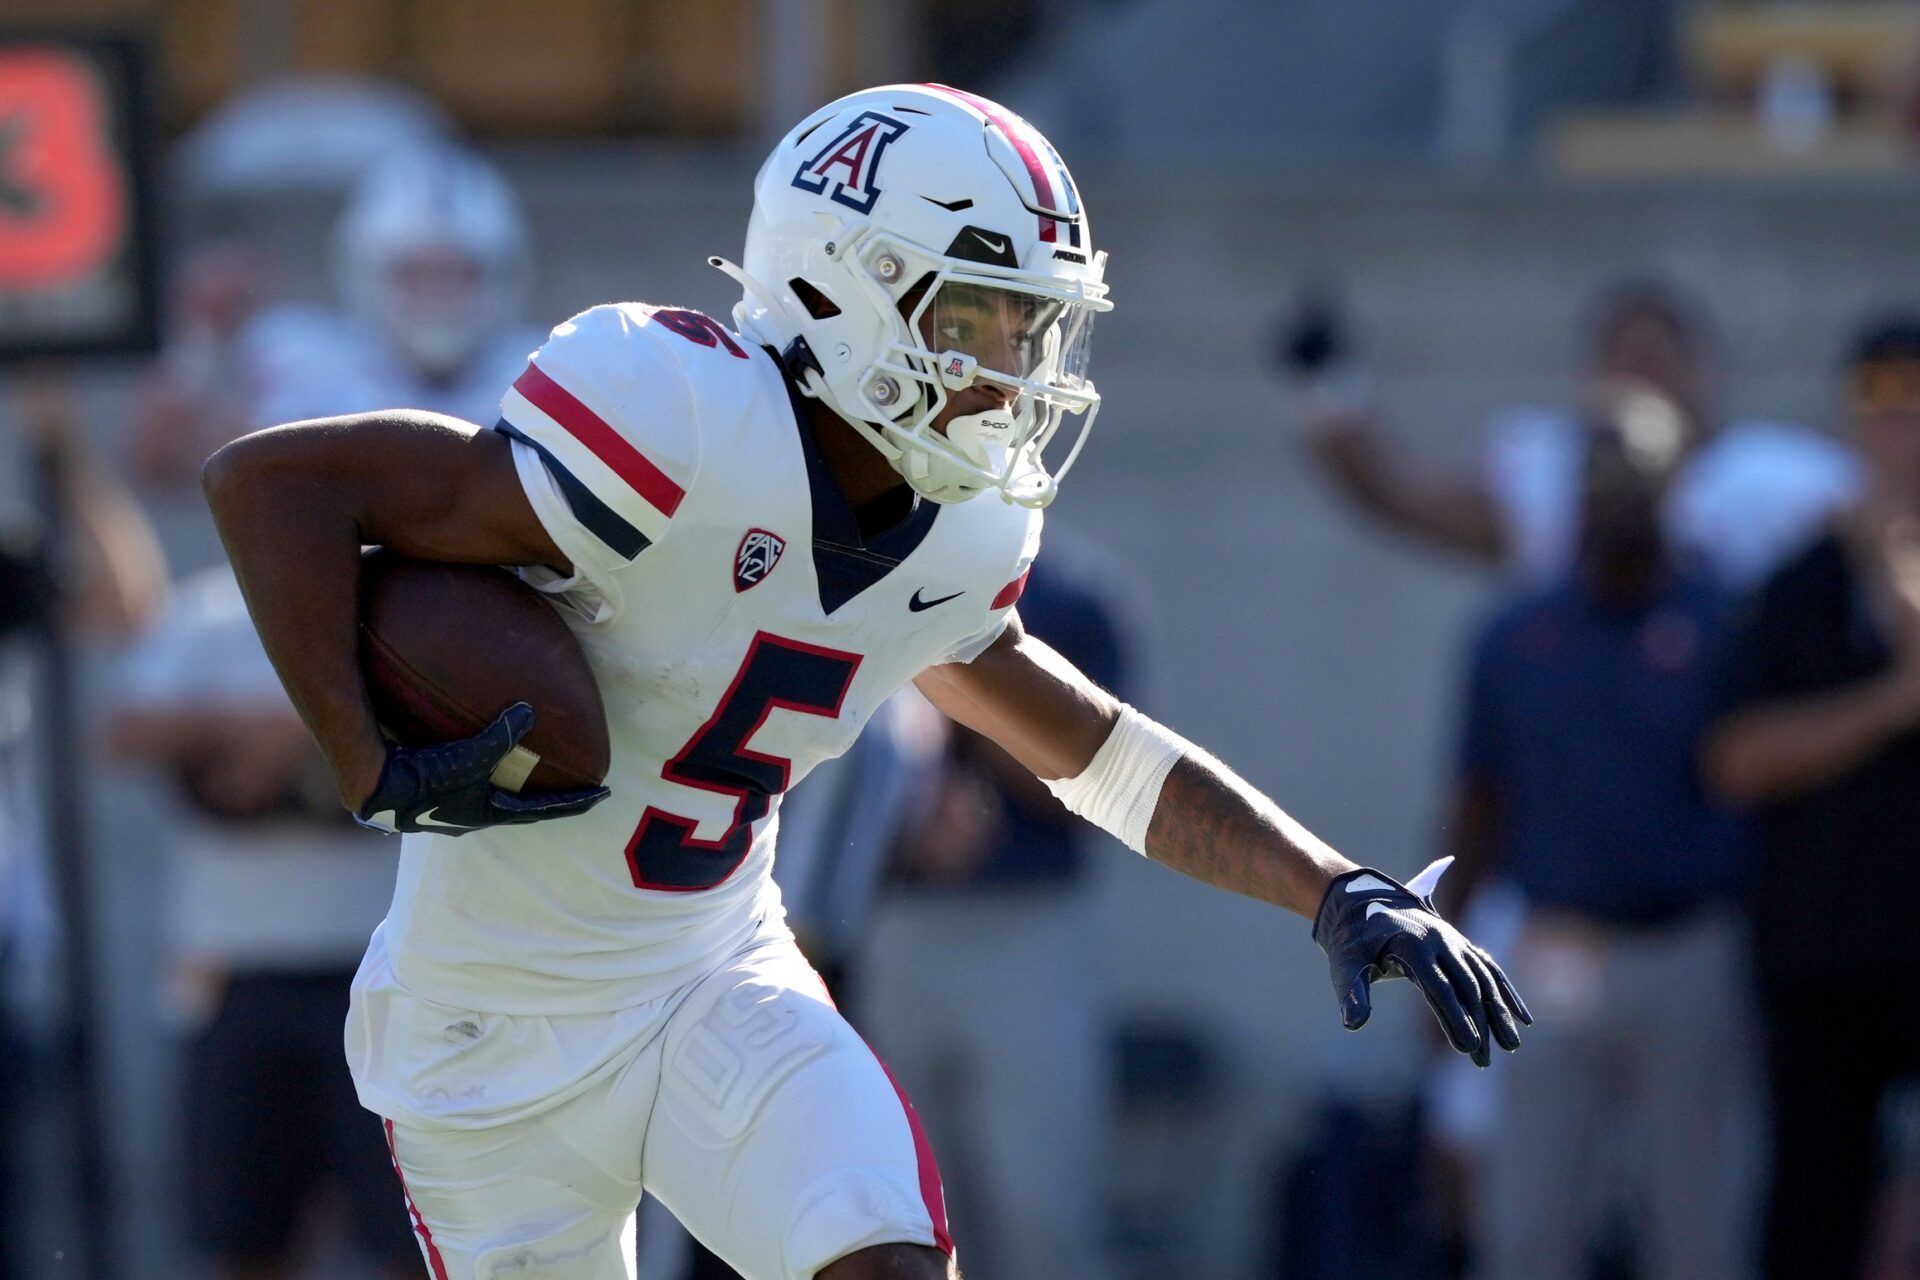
pixel 272 894
pixel 431 261
pixel 1747 493
pixel 1822 741
pixel 102 583
pixel 24 597
pixel 985 976
pixel 1585 705
pixel 1744 495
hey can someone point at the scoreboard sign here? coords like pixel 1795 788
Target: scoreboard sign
pixel 76 253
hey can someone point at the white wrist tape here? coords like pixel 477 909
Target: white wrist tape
pixel 1120 786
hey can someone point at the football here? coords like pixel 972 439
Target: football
pixel 447 647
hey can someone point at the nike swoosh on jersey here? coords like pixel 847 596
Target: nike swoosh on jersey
pixel 917 604
pixel 428 820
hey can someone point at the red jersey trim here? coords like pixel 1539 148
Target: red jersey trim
pixel 606 444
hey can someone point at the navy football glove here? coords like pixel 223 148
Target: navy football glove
pixel 448 788
pixel 1374 927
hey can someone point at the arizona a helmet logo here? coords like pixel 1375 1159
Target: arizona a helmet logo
pixel 851 162
pixel 759 551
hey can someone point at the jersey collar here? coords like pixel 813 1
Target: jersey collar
pixel 844 563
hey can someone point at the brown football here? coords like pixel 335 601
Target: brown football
pixel 447 647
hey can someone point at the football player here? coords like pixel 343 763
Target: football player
pixel 430 259
pixel 430 262
pixel 757 533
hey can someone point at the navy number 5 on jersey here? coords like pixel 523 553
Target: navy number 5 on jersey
pixel 664 852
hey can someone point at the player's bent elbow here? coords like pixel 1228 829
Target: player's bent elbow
pixel 224 474
pixel 241 467
pixel 237 465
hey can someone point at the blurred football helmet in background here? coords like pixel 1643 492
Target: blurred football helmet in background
pixel 432 249
pixel 908 241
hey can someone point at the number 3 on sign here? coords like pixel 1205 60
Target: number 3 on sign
pixel 63 210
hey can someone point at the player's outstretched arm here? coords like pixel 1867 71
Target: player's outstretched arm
pixel 1181 806
pixel 1414 495
pixel 294 506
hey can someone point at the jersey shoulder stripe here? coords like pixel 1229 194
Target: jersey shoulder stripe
pixel 601 520
pixel 586 426
pixel 606 411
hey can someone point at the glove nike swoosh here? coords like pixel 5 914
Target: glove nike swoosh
pixel 420 784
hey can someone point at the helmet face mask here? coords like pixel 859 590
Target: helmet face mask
pixel 899 236
pixel 960 324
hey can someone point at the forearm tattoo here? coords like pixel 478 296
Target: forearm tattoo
pixel 1211 825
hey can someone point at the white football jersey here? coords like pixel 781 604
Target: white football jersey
pixel 742 632
pixel 1746 500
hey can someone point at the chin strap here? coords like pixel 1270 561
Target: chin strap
pixel 799 361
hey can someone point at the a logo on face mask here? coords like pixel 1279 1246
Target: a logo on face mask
pixel 758 552
pixel 957 369
pixel 851 162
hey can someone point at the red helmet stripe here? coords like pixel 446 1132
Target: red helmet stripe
pixel 1015 129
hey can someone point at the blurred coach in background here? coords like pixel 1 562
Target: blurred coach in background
pixel 1823 740
pixel 1742 497
pixel 1579 787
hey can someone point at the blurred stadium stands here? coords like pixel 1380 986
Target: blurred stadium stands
pixel 1469 173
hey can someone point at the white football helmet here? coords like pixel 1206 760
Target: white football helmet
pixel 432 248
pixel 907 241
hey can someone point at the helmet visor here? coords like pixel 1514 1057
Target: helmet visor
pixel 1009 332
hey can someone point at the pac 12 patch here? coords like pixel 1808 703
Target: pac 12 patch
pixel 758 552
